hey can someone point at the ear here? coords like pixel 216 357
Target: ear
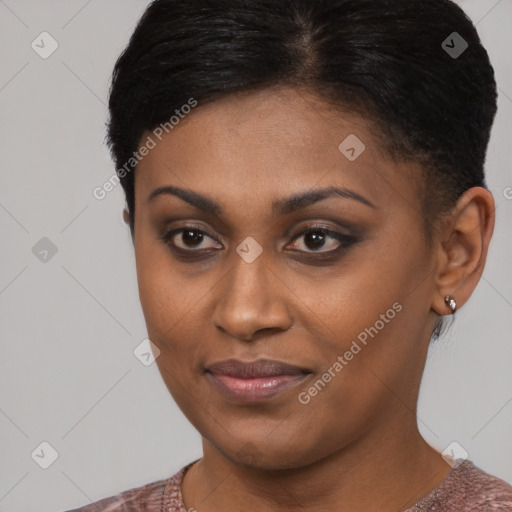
pixel 463 244
pixel 126 216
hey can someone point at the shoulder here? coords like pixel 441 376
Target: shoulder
pixel 485 491
pixel 468 488
pixel 145 498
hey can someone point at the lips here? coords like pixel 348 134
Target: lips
pixel 251 382
pixel 254 369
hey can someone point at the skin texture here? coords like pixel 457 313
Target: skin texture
pixel 355 445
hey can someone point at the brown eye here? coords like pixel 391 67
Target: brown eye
pixel 190 238
pixel 317 238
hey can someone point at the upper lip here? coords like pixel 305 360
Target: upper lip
pixel 254 369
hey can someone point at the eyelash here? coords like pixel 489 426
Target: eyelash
pixel 345 241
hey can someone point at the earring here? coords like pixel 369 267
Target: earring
pixel 450 302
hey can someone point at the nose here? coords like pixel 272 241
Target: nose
pixel 252 300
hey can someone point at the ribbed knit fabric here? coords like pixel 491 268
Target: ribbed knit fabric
pixel 465 489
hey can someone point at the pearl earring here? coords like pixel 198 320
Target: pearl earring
pixel 450 302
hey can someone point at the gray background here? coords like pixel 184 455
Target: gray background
pixel 69 325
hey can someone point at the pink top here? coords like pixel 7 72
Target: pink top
pixel 465 489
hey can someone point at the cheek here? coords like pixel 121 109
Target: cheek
pixel 350 299
pixel 158 285
pixel 366 313
pixel 172 303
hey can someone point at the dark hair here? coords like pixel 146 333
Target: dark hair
pixel 393 61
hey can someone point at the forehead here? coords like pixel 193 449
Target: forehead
pixel 267 144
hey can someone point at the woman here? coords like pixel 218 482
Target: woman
pixel 306 197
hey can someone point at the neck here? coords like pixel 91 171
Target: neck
pixel 386 470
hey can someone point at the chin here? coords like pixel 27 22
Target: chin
pixel 269 458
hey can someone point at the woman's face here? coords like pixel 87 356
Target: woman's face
pixel 350 307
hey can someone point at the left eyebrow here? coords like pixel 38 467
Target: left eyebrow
pixel 281 206
pixel 305 199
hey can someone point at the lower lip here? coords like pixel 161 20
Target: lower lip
pixel 257 389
